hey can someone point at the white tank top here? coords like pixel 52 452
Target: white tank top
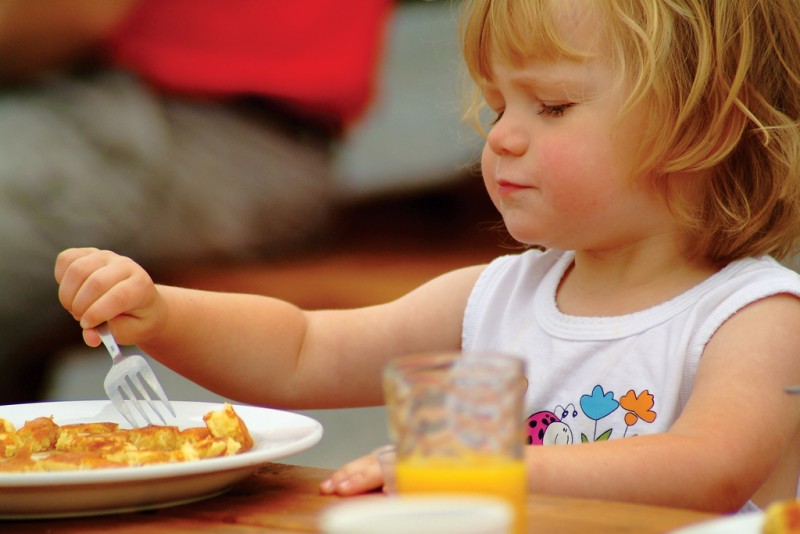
pixel 598 378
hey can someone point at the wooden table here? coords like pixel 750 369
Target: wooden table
pixel 285 499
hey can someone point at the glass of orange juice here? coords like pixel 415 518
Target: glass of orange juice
pixel 456 420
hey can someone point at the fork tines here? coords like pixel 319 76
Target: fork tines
pixel 141 384
pixel 131 379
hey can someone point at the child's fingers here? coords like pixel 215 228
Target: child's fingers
pixel 359 476
pixel 84 280
pixel 98 286
pixel 72 271
pixel 69 279
pixel 106 295
pixel 65 259
pixel 91 337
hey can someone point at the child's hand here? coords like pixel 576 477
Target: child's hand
pixel 359 476
pixel 99 286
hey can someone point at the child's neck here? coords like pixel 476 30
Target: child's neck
pixel 625 281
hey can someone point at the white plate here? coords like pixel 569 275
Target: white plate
pixel 749 523
pixel 276 434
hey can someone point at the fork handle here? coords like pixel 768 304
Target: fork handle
pixel 108 340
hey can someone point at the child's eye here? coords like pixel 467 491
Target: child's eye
pixel 555 110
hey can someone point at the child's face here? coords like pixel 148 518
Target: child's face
pixel 559 161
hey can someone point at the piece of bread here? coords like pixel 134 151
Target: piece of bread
pixel 782 518
pixel 227 424
pixel 42 445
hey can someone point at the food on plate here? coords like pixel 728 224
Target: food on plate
pixel 42 445
pixel 782 518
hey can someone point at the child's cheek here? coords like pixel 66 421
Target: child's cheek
pixel 563 165
pixel 574 176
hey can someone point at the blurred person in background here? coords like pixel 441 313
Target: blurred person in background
pixel 165 130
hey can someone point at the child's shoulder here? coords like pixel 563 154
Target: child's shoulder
pixel 740 284
pixel 762 271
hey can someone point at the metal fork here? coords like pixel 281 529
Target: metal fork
pixel 129 379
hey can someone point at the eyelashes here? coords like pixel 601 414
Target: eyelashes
pixel 556 110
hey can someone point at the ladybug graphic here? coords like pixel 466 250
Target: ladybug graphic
pixel 545 428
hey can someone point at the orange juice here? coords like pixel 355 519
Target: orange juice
pixel 501 477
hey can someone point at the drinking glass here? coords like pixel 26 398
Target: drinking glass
pixel 387 458
pixel 456 420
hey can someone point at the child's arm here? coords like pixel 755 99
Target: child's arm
pixel 739 435
pixel 258 349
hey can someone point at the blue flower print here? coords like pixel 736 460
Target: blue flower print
pixel 597 406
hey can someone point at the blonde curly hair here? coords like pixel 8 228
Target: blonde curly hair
pixel 721 81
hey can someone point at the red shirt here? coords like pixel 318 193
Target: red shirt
pixel 318 54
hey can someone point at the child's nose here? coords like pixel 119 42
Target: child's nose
pixel 507 136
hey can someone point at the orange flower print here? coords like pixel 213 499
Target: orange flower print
pixel 639 407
